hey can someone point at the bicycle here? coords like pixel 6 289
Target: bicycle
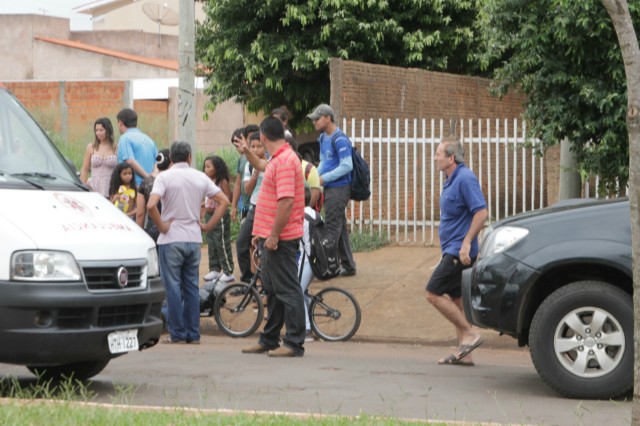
pixel 334 313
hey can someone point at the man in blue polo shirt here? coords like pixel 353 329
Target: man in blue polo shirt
pixel 134 147
pixel 463 212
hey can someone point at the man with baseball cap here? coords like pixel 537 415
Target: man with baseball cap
pixel 335 176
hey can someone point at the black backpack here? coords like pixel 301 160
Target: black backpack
pixel 360 175
pixel 323 256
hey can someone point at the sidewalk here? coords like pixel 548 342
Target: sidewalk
pixel 389 286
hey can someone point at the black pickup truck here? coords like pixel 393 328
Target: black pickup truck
pixel 560 281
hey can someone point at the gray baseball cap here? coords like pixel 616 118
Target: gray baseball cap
pixel 321 110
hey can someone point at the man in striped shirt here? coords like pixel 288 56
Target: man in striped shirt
pixel 277 229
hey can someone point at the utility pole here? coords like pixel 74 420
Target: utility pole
pixel 570 181
pixel 186 84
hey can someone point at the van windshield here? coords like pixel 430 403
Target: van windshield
pixel 25 149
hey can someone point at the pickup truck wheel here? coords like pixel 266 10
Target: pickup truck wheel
pixel 79 370
pixel 581 340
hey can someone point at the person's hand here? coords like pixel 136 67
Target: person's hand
pixel 164 227
pixel 271 243
pixel 241 144
pixel 465 249
pixel 234 213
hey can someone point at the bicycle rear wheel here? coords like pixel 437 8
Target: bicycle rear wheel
pixel 334 314
pixel 238 310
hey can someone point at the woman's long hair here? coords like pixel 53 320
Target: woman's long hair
pixel 108 127
pixel 222 171
pixel 115 182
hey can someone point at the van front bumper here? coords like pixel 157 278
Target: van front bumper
pixel 54 323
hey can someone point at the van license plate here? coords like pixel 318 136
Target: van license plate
pixel 123 341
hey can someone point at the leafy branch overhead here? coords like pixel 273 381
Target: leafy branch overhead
pixel 564 56
pixel 268 53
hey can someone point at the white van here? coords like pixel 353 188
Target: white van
pixel 79 280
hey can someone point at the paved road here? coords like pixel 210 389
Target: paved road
pixel 398 380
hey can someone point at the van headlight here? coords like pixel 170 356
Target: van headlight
pixel 43 265
pixel 152 263
pixel 501 239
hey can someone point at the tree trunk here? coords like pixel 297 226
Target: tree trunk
pixel 619 12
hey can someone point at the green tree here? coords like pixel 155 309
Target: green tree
pixel 274 52
pixel 564 56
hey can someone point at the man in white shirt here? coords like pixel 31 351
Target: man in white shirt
pixel 181 190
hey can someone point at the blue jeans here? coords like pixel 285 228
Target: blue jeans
pixel 179 268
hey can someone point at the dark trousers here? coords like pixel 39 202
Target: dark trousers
pixel 285 303
pixel 243 246
pixel 219 245
pixel 335 222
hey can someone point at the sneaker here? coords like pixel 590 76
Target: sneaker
pixel 284 352
pixel 227 278
pixel 344 272
pixel 309 337
pixel 255 349
pixel 212 275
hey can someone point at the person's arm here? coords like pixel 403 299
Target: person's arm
pixel 236 197
pixel 250 184
pixel 345 166
pixel 243 148
pixel 137 167
pixel 477 223
pixel 141 210
pixel 154 214
pixel 223 205
pixel 86 163
pixel 283 212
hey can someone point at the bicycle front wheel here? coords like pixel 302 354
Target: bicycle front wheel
pixel 238 310
pixel 334 314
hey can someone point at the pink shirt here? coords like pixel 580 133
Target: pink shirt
pixel 282 179
pixel 181 190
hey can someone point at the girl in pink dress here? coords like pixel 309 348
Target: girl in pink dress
pixel 100 158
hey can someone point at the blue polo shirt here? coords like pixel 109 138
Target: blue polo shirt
pixel 461 198
pixel 140 147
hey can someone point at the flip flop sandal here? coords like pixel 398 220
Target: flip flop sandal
pixel 467 349
pixel 453 360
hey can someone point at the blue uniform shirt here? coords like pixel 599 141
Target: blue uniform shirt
pixel 461 198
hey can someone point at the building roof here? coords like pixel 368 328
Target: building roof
pixel 154 62
pixel 100 7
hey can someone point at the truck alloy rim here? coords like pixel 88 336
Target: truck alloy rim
pixel 589 342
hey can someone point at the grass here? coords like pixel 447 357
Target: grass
pixel 368 239
pixel 69 402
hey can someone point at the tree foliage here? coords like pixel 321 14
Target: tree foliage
pixel 272 52
pixel 564 56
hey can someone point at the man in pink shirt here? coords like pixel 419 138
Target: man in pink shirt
pixel 278 227
pixel 181 190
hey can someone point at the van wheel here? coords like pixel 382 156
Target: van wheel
pixel 79 370
pixel 581 340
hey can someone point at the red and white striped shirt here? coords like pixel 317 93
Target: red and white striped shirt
pixel 282 179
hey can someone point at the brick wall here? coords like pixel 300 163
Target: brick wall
pixel 70 108
pixel 366 91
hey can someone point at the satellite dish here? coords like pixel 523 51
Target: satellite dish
pixel 161 14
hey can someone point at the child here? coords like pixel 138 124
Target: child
pixel 252 181
pixel 122 192
pixel 219 238
pixel 304 268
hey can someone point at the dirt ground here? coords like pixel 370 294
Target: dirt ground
pixel 389 286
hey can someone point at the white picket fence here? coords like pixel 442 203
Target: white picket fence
pixel 406 185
